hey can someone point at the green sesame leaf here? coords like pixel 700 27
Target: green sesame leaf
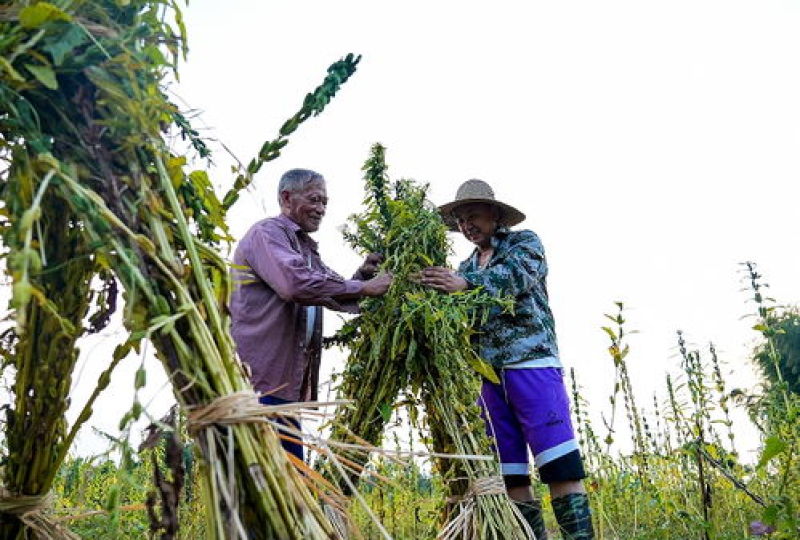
pixel 386 411
pixel 773 446
pixel 41 12
pixel 44 74
pixel 485 370
pixel 63 44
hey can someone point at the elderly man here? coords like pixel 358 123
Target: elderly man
pixel 530 407
pixel 282 284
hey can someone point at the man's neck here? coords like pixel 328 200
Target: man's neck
pixel 286 216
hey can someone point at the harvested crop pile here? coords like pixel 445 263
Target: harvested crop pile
pixel 416 341
pixel 90 188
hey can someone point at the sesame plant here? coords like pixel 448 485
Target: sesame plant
pixel 415 342
pixel 780 410
pixel 95 200
pixel 680 475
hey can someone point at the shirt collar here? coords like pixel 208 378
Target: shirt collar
pixel 295 228
pixel 286 220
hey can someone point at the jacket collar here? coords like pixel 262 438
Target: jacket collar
pixel 497 240
pixel 499 235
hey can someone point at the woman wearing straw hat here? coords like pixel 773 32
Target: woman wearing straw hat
pixel 530 407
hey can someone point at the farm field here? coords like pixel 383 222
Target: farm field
pixel 685 479
pixel 120 209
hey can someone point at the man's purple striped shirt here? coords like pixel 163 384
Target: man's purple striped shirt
pixel 277 273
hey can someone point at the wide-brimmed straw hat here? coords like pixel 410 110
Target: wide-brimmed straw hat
pixel 478 191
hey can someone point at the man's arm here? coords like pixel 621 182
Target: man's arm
pixel 273 258
pixel 376 286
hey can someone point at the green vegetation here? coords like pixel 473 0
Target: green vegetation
pixel 91 190
pixel 94 200
pixel 414 342
pixel 682 478
pixel 786 340
pixel 82 499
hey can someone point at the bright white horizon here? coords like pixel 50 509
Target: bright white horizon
pixel 653 147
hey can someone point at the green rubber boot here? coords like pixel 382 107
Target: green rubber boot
pixel 532 512
pixel 574 516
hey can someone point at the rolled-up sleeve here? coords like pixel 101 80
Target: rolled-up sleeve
pixel 273 258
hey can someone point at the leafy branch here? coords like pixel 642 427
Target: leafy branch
pixel 313 104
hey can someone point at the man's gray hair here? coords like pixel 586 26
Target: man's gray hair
pixel 298 180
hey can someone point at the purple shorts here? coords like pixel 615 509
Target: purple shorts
pixel 530 408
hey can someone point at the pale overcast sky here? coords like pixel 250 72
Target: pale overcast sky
pixel 652 145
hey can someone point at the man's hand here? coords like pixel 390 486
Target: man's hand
pixel 377 286
pixel 369 268
pixel 442 279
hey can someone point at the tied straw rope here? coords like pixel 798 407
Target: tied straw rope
pixel 244 408
pixel 19 505
pixel 460 527
pixel 488 485
pixel 31 510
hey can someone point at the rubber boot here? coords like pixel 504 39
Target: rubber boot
pixel 574 516
pixel 532 512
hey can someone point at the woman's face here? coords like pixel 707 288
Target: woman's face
pixel 477 222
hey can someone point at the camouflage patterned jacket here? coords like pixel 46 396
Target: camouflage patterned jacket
pixel 527 337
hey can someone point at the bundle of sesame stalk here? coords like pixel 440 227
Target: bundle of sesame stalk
pixel 92 195
pixel 416 341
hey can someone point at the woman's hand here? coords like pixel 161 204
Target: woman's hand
pixel 442 279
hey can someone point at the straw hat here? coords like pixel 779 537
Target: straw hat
pixel 478 191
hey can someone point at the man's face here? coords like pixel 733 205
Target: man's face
pixel 477 222
pixel 305 207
